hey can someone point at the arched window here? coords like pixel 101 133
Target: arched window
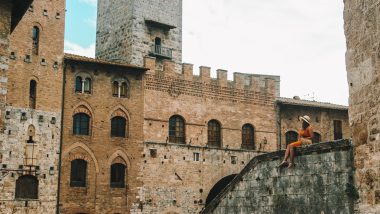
pixel 317 138
pixel 176 130
pixel 78 84
pixel 87 86
pixel 81 125
pixel 117 175
pixel 214 136
pixel 32 94
pixel 27 187
pixel 248 137
pixel 115 89
pixel 291 136
pixel 78 173
pixel 36 39
pixel 124 90
pixel 118 126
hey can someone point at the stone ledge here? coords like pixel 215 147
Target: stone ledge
pixel 320 148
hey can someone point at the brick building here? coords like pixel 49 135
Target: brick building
pixel 132 131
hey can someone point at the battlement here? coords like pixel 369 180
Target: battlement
pixel 247 86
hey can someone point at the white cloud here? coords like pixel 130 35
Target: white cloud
pixel 73 48
pixel 91 2
pixel 91 22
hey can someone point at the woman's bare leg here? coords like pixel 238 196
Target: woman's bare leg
pixel 292 155
pixel 287 152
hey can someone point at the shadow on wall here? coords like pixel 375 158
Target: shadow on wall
pixel 218 187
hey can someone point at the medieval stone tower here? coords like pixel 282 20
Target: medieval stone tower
pixel 128 30
pixel 30 139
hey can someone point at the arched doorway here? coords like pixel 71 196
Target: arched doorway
pixel 218 187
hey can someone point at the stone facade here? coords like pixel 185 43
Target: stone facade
pixel 363 64
pixel 322 182
pixel 98 148
pixel 127 29
pixel 30 144
pixel 322 117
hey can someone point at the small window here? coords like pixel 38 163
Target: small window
pixel 233 160
pixel 157 45
pixel 32 94
pixel 291 137
pixel 27 187
pixel 87 86
pixel 81 124
pixel 36 39
pixel 118 126
pixel 338 130
pixel 196 156
pixel 115 89
pixel 124 90
pixel 78 84
pixel 176 130
pixel 248 137
pixel 316 138
pixel 214 136
pixel 78 173
pixel 118 175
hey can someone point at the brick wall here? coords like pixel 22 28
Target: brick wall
pixel 362 61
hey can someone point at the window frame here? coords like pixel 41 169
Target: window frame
pixel 27 192
pixel 78 166
pixel 115 131
pixel 338 129
pixel 81 130
pixel 32 94
pixel 36 34
pixel 248 136
pixel 214 133
pixel 177 129
pixel 118 175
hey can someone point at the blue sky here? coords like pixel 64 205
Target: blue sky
pixel 300 40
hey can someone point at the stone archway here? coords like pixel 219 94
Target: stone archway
pixel 218 187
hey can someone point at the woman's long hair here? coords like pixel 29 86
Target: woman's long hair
pixel 305 125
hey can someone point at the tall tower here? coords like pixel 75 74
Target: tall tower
pixel 128 30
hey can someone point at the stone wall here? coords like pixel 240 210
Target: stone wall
pixel 123 35
pixel 98 148
pixel 322 120
pixel 363 64
pixel 31 140
pixel 321 182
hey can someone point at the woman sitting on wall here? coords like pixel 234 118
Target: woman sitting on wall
pixel 305 136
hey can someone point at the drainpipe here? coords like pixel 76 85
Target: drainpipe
pixel 61 137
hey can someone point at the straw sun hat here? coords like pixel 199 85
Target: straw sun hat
pixel 305 118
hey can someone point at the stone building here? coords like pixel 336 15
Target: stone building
pixel 363 64
pixel 31 105
pixel 329 121
pixel 134 130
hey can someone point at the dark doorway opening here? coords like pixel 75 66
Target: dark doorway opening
pixel 218 187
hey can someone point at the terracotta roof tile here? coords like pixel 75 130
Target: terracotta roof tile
pixel 73 57
pixel 290 101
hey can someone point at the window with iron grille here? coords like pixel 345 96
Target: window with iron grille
pixel 78 173
pixel 32 94
pixel 248 137
pixel 291 137
pixel 118 126
pixel 35 39
pixel 117 175
pixel 176 129
pixel 81 125
pixel 317 138
pixel 338 130
pixel 214 136
pixel 27 187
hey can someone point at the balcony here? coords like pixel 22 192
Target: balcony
pixel 161 52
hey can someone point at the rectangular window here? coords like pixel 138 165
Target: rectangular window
pixel 233 159
pixel 338 130
pixel 196 156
